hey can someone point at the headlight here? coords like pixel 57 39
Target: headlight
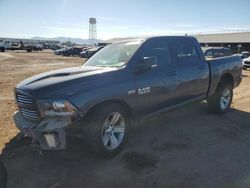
pixel 56 108
pixel 58 105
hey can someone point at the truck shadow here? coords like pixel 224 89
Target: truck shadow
pixel 186 147
pixel 244 75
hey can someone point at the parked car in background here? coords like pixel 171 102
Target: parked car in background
pixel 60 51
pixel 92 51
pixel 214 52
pixel 122 84
pixel 72 51
pixel 82 54
pixel 54 47
pixel 36 47
pixel 246 63
pixel 4 45
pixel 245 54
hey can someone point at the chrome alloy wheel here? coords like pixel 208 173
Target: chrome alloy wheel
pixel 225 98
pixel 113 130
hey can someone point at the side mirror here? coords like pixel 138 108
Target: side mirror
pixel 146 64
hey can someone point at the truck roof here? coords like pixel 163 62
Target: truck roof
pixel 147 38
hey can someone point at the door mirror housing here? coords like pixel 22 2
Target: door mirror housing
pixel 146 64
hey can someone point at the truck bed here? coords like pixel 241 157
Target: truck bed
pixel 221 66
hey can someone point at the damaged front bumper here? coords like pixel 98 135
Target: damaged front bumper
pixel 48 134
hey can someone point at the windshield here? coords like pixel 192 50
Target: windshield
pixel 114 55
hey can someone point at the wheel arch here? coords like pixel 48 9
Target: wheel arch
pixel 122 103
pixel 214 101
pixel 227 78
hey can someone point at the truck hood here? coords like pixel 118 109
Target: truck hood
pixel 55 81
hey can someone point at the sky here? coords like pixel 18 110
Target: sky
pixel 121 18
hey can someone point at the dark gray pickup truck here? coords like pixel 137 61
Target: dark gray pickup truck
pixel 124 82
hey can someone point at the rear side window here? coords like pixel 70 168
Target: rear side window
pixel 185 50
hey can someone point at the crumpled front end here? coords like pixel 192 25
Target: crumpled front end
pixel 46 135
pixel 44 120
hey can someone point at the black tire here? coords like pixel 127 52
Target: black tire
pixel 244 68
pixel 214 102
pixel 93 129
pixel 3 176
pixel 2 50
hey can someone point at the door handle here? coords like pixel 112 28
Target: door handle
pixel 171 73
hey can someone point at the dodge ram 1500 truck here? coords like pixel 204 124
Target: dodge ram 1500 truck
pixel 126 81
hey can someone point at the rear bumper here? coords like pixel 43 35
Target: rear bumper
pixel 47 135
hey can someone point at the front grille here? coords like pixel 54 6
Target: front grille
pixel 32 114
pixel 247 62
pixel 27 105
pixel 23 99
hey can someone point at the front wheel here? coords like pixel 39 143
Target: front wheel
pixel 106 129
pixel 221 101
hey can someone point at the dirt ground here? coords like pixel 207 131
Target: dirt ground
pixel 183 148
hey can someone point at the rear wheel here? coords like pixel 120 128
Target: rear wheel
pixel 221 101
pixel 2 49
pixel 105 131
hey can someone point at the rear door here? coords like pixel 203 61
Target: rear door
pixel 193 70
pixel 156 87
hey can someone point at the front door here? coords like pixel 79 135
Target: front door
pixel 156 87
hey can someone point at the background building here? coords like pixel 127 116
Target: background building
pixel 238 42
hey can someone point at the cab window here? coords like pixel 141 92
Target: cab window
pixel 184 50
pixel 158 49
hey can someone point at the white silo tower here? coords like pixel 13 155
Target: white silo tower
pixel 92 31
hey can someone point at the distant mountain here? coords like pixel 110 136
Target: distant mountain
pixel 66 39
